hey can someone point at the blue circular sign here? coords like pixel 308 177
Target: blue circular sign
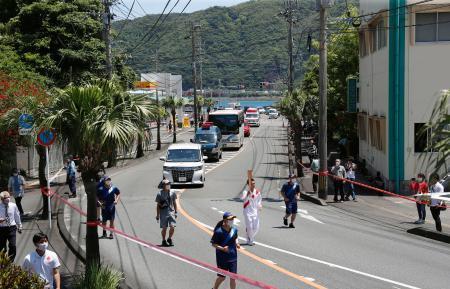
pixel 46 137
pixel 26 121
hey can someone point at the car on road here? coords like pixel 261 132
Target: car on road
pixel 210 139
pixel 261 110
pixel 446 182
pixel 246 129
pixel 184 164
pixel 252 117
pixel 273 113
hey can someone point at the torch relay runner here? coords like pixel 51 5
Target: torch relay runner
pixel 252 205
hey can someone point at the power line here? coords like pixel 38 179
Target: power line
pixel 140 42
pixel 126 20
pixel 158 29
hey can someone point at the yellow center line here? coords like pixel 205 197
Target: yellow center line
pixel 249 254
pixel 243 250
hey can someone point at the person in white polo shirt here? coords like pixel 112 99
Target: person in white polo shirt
pixel 43 262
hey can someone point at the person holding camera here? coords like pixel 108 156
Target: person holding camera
pixel 166 212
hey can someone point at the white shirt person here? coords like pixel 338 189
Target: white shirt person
pixel 252 205
pixel 44 263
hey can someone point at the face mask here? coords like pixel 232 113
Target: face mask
pixel 6 200
pixel 42 246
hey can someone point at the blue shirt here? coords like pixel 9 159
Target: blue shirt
pixel 290 190
pixel 71 169
pixel 221 238
pixel 108 196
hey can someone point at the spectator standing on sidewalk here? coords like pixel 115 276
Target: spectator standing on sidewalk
pixel 315 166
pixel 252 205
pixel 350 168
pixel 312 151
pixel 16 188
pixel 166 212
pixel 436 188
pixel 10 223
pixel 108 199
pixel 225 240
pixel 169 126
pixel 379 183
pixel 43 263
pixel 291 193
pixel 71 177
pixel 339 171
pixel 421 187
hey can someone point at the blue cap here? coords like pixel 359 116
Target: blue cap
pixel 228 216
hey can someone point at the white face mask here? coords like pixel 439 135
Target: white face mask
pixel 6 200
pixel 42 246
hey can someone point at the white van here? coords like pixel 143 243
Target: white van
pixel 184 164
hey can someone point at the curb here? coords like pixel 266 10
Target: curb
pixel 67 237
pixel 430 234
pixel 313 199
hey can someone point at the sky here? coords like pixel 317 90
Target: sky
pixel 157 6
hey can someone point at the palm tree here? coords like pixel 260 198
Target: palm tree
pixel 438 131
pixel 172 103
pixel 96 120
pixel 209 102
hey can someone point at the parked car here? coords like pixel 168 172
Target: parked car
pixel 184 164
pixel 246 129
pixel 210 138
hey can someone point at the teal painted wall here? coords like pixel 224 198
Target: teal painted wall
pixel 396 117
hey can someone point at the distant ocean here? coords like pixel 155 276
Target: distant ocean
pixel 249 103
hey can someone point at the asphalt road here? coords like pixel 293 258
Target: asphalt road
pixel 329 248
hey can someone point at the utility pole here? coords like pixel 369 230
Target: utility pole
pixel 194 28
pixel 107 17
pixel 323 83
pixel 158 117
pixel 288 13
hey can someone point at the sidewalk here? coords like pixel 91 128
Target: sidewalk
pixel 392 212
pixel 32 224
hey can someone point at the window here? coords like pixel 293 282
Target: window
pixel 431 27
pixel 377 132
pixel 423 140
pixel 362 44
pixel 382 37
pixel 362 126
pixel 373 40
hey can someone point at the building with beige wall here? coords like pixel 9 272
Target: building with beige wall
pixel 404 66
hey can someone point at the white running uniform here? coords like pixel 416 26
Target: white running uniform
pixel 252 205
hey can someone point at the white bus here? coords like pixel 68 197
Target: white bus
pixel 231 124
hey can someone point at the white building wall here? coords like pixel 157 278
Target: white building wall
pixel 427 72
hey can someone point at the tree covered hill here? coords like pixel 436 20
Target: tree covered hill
pixel 241 45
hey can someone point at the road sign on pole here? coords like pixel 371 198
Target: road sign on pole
pixel 26 122
pixel 46 137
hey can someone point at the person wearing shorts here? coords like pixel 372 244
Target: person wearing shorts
pixel 291 193
pixel 225 240
pixel 108 199
pixel 166 212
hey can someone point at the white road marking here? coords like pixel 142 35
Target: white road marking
pixel 214 208
pixel 221 212
pixel 324 262
pixel 304 214
pixel 310 279
pixel 271 262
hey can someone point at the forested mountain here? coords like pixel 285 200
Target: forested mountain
pixel 241 45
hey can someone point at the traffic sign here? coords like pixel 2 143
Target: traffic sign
pixel 26 122
pixel 46 137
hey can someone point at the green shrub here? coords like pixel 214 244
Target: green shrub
pixel 99 277
pixel 13 277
